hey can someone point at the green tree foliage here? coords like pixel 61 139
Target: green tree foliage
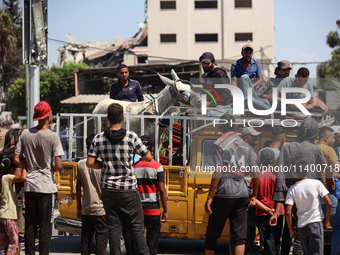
pixel 56 84
pixel 17 94
pixel 332 68
pixel 13 67
pixel 7 37
pixel 13 7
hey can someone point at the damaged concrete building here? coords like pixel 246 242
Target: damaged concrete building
pixel 132 51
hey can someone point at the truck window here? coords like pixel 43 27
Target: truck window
pixel 206 153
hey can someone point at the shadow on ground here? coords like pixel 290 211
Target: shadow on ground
pixel 177 246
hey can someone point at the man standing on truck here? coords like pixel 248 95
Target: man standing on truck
pixel 150 179
pixel 116 148
pixel 233 158
pixel 40 146
pixel 91 212
pixel 125 89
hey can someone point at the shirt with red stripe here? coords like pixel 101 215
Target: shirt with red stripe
pixel 148 175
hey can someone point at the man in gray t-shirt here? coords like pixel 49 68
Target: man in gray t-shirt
pixel 234 159
pixel 40 147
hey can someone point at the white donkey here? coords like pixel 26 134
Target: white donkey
pixel 177 92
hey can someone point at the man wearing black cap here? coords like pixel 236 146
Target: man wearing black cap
pixel 247 73
pixel 281 71
pixel 41 147
pixel 214 75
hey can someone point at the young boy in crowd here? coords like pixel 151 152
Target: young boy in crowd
pixel 270 235
pixel 306 195
pixel 9 232
pixel 150 179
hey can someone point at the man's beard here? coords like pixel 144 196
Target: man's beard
pixel 208 69
pixel 247 59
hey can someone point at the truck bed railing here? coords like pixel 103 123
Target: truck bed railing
pixel 78 120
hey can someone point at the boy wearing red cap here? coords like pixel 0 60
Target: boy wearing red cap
pixel 40 147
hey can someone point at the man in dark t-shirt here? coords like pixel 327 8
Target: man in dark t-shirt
pixel 125 88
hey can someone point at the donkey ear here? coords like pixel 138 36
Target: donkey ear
pixel 166 80
pixel 174 75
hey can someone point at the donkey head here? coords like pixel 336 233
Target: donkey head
pixel 181 90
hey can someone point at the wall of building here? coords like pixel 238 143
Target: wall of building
pixel 185 21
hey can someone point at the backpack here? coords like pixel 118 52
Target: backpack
pixel 11 140
pixel 7 154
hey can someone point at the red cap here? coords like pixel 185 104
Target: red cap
pixel 41 110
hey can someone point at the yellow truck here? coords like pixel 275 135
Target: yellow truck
pixel 187 186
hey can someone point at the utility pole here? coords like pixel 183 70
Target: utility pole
pixel 34 54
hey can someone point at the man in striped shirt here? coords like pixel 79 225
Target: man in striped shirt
pixel 150 179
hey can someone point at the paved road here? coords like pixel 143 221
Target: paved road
pixel 70 245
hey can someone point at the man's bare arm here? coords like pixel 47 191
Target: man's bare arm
pixel 20 175
pixel 78 198
pixel 164 200
pixel 94 163
pixel 310 104
pixel 19 160
pixel 213 185
pixel 259 82
pixel 58 164
pixel 234 81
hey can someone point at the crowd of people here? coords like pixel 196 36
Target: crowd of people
pixel 287 203
pixel 121 195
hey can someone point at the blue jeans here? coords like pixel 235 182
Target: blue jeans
pixel 244 83
pixel 335 222
pixel 124 209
